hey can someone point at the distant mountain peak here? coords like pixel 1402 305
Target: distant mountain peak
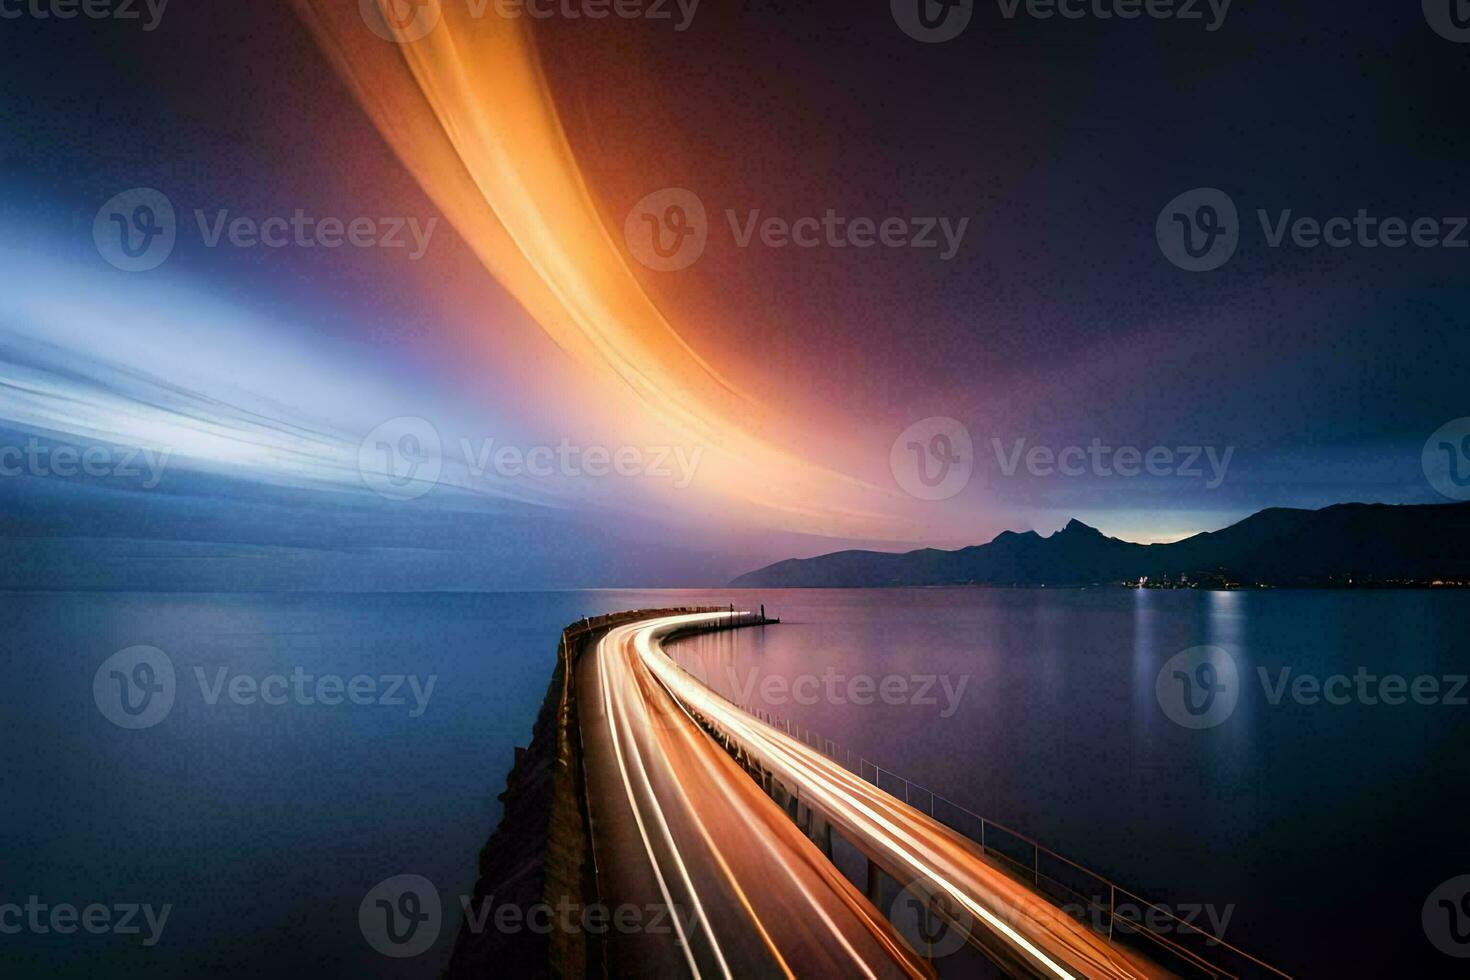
pixel 1015 535
pixel 1346 543
pixel 1076 528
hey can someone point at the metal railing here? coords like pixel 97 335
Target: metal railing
pixel 1086 895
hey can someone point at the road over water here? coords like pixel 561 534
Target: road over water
pixel 679 824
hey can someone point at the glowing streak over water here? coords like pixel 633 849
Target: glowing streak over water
pixel 1051 941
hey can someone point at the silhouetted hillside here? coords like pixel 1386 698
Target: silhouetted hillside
pixel 1365 543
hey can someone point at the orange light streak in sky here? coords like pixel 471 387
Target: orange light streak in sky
pixel 467 108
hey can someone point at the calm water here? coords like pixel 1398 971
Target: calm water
pixel 1321 829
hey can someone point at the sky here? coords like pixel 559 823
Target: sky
pixel 511 382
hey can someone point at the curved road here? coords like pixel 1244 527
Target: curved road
pixel 678 824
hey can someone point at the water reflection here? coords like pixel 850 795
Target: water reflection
pixel 1061 733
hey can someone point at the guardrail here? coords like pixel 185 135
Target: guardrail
pixel 1090 897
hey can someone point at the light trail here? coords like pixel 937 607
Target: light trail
pixel 713 841
pixel 468 109
pixel 663 886
pixel 908 843
pixel 693 732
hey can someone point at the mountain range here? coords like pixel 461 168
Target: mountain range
pixel 1357 544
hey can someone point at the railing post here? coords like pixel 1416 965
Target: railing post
pixel 1112 907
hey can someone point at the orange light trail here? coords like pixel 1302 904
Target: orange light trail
pixel 467 108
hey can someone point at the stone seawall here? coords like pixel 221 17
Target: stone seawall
pixel 541 853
